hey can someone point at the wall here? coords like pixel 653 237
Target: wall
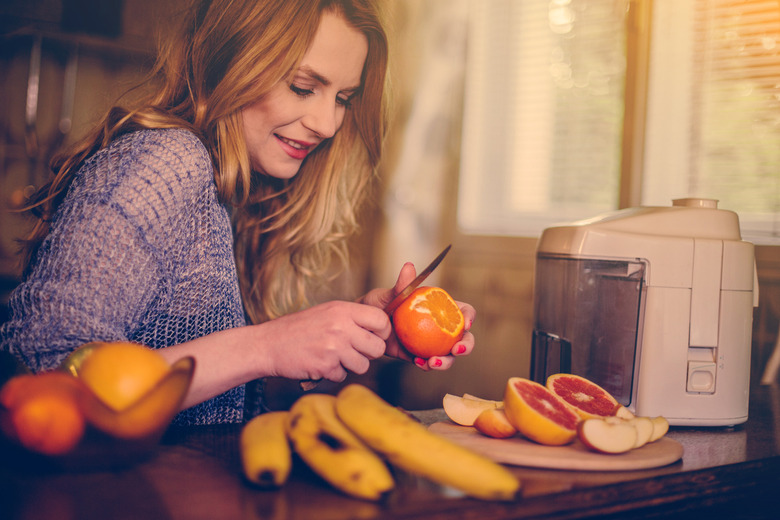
pixel 104 68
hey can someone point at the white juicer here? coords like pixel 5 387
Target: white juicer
pixel 655 304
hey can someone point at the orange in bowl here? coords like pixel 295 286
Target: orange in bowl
pixel 429 322
pixel 42 413
pixel 121 373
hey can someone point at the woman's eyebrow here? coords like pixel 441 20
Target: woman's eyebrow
pixel 319 78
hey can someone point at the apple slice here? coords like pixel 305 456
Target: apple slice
pixel 623 412
pixel 610 435
pixel 644 430
pixel 493 422
pixel 500 404
pixel 464 411
pixel 660 427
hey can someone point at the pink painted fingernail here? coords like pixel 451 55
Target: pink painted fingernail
pixel 419 361
pixel 461 349
pixel 436 363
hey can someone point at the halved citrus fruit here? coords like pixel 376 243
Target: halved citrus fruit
pixel 585 397
pixel 429 322
pixel 539 414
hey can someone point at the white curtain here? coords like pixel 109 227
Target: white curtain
pixel 427 69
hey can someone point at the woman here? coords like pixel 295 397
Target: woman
pixel 223 196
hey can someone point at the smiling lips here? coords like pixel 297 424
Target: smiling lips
pixel 295 149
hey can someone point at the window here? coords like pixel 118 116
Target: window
pixel 714 109
pixel 574 108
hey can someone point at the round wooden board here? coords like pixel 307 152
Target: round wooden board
pixel 518 451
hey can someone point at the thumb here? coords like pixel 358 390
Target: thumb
pixel 405 277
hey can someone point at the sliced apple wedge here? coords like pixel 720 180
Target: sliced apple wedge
pixel 623 412
pixel 608 435
pixel 476 398
pixel 660 427
pixel 464 411
pixel 494 423
pixel 644 430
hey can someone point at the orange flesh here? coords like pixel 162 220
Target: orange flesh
pixel 542 400
pixel 441 309
pixel 584 396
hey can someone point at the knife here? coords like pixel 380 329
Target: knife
pixel 409 289
pixel 308 384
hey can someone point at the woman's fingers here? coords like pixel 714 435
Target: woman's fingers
pixel 357 336
pixel 469 313
pixel 463 347
pixel 382 297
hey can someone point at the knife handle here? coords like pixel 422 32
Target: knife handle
pixel 309 384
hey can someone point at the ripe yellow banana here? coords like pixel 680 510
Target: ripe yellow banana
pixel 409 445
pixel 333 452
pixel 266 455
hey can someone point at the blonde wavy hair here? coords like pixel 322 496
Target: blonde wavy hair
pixel 226 55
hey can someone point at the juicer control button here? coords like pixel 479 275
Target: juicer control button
pixel 701 377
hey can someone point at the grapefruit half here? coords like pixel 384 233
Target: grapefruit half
pixel 585 397
pixel 539 414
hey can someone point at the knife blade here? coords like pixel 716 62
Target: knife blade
pixel 409 289
pixel 309 384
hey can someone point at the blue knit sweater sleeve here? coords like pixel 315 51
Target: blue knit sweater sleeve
pixel 139 250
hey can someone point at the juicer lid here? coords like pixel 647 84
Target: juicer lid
pixel 691 217
pixel 676 241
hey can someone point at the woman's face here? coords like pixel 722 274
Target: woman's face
pixel 287 124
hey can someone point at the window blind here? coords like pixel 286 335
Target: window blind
pixel 543 113
pixel 726 65
pixel 545 101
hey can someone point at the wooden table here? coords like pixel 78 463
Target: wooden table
pixel 195 474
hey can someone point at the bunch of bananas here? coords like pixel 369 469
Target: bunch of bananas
pixel 350 438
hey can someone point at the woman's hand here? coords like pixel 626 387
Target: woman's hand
pixel 323 342
pixel 381 297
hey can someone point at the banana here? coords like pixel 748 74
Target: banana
pixel 266 455
pixel 333 452
pixel 409 445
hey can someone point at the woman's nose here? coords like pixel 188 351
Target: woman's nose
pixel 324 118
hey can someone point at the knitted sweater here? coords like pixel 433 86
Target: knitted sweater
pixel 139 250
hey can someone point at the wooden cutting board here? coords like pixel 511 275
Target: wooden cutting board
pixel 518 451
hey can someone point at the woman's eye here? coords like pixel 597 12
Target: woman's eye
pixel 345 101
pixel 302 92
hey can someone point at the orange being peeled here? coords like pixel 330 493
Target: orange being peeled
pixel 539 414
pixel 42 412
pixel 429 322
pixel 585 397
pixel 120 373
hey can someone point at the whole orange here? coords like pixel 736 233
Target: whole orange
pixel 120 373
pixel 42 412
pixel 429 322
